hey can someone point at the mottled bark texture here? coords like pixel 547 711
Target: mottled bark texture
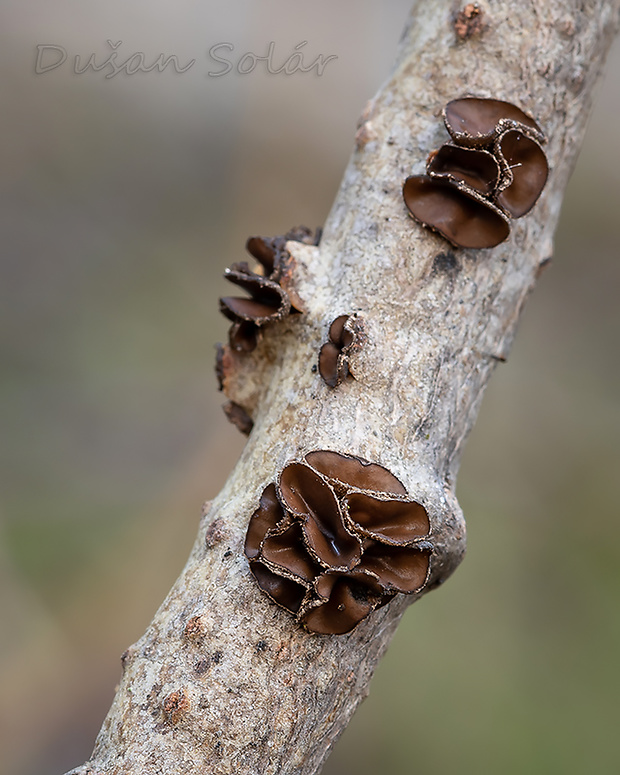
pixel 224 681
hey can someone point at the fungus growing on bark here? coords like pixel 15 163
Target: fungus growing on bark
pixel 527 169
pixel 335 538
pixel 475 122
pixel 268 300
pixel 476 168
pixel 346 471
pixel 495 171
pixel 463 218
pixel 345 336
pixel 271 296
pixel 238 417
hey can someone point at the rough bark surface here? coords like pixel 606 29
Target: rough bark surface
pixel 224 681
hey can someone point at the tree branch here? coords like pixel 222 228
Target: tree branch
pixel 223 680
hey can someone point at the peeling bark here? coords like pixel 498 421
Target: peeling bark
pixel 224 681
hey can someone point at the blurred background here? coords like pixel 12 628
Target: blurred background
pixel 123 200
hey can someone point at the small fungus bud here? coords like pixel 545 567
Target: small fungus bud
pixel 336 538
pixel 345 336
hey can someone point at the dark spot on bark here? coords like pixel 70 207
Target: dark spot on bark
pixel 446 263
pixel 262 645
pixel 176 706
pixel 193 629
pixel 214 533
pixel 469 22
pixel 152 698
pixel 125 657
pixel 202 666
pixel 217 657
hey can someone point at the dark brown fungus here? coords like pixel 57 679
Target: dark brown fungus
pixel 268 516
pixel 264 251
pixel 238 417
pixel 343 602
pixel 310 498
pixel 476 168
pixel 465 219
pixel 391 521
pixel 243 336
pixel 349 471
pixel 286 551
pixel 345 336
pixel 332 366
pixel 284 591
pixel 528 170
pixel 476 122
pixel 220 365
pixel 496 170
pixel 301 490
pixel 330 545
pixel 268 299
pixel 402 569
pixel 341 332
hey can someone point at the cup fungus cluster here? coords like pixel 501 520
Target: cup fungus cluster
pixel 345 336
pixel 334 538
pixel 494 170
pixel 268 298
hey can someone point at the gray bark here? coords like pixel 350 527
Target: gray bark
pixel 224 681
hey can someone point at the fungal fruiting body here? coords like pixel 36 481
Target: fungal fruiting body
pixel 336 537
pixel 268 299
pixel 495 170
pixel 345 336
